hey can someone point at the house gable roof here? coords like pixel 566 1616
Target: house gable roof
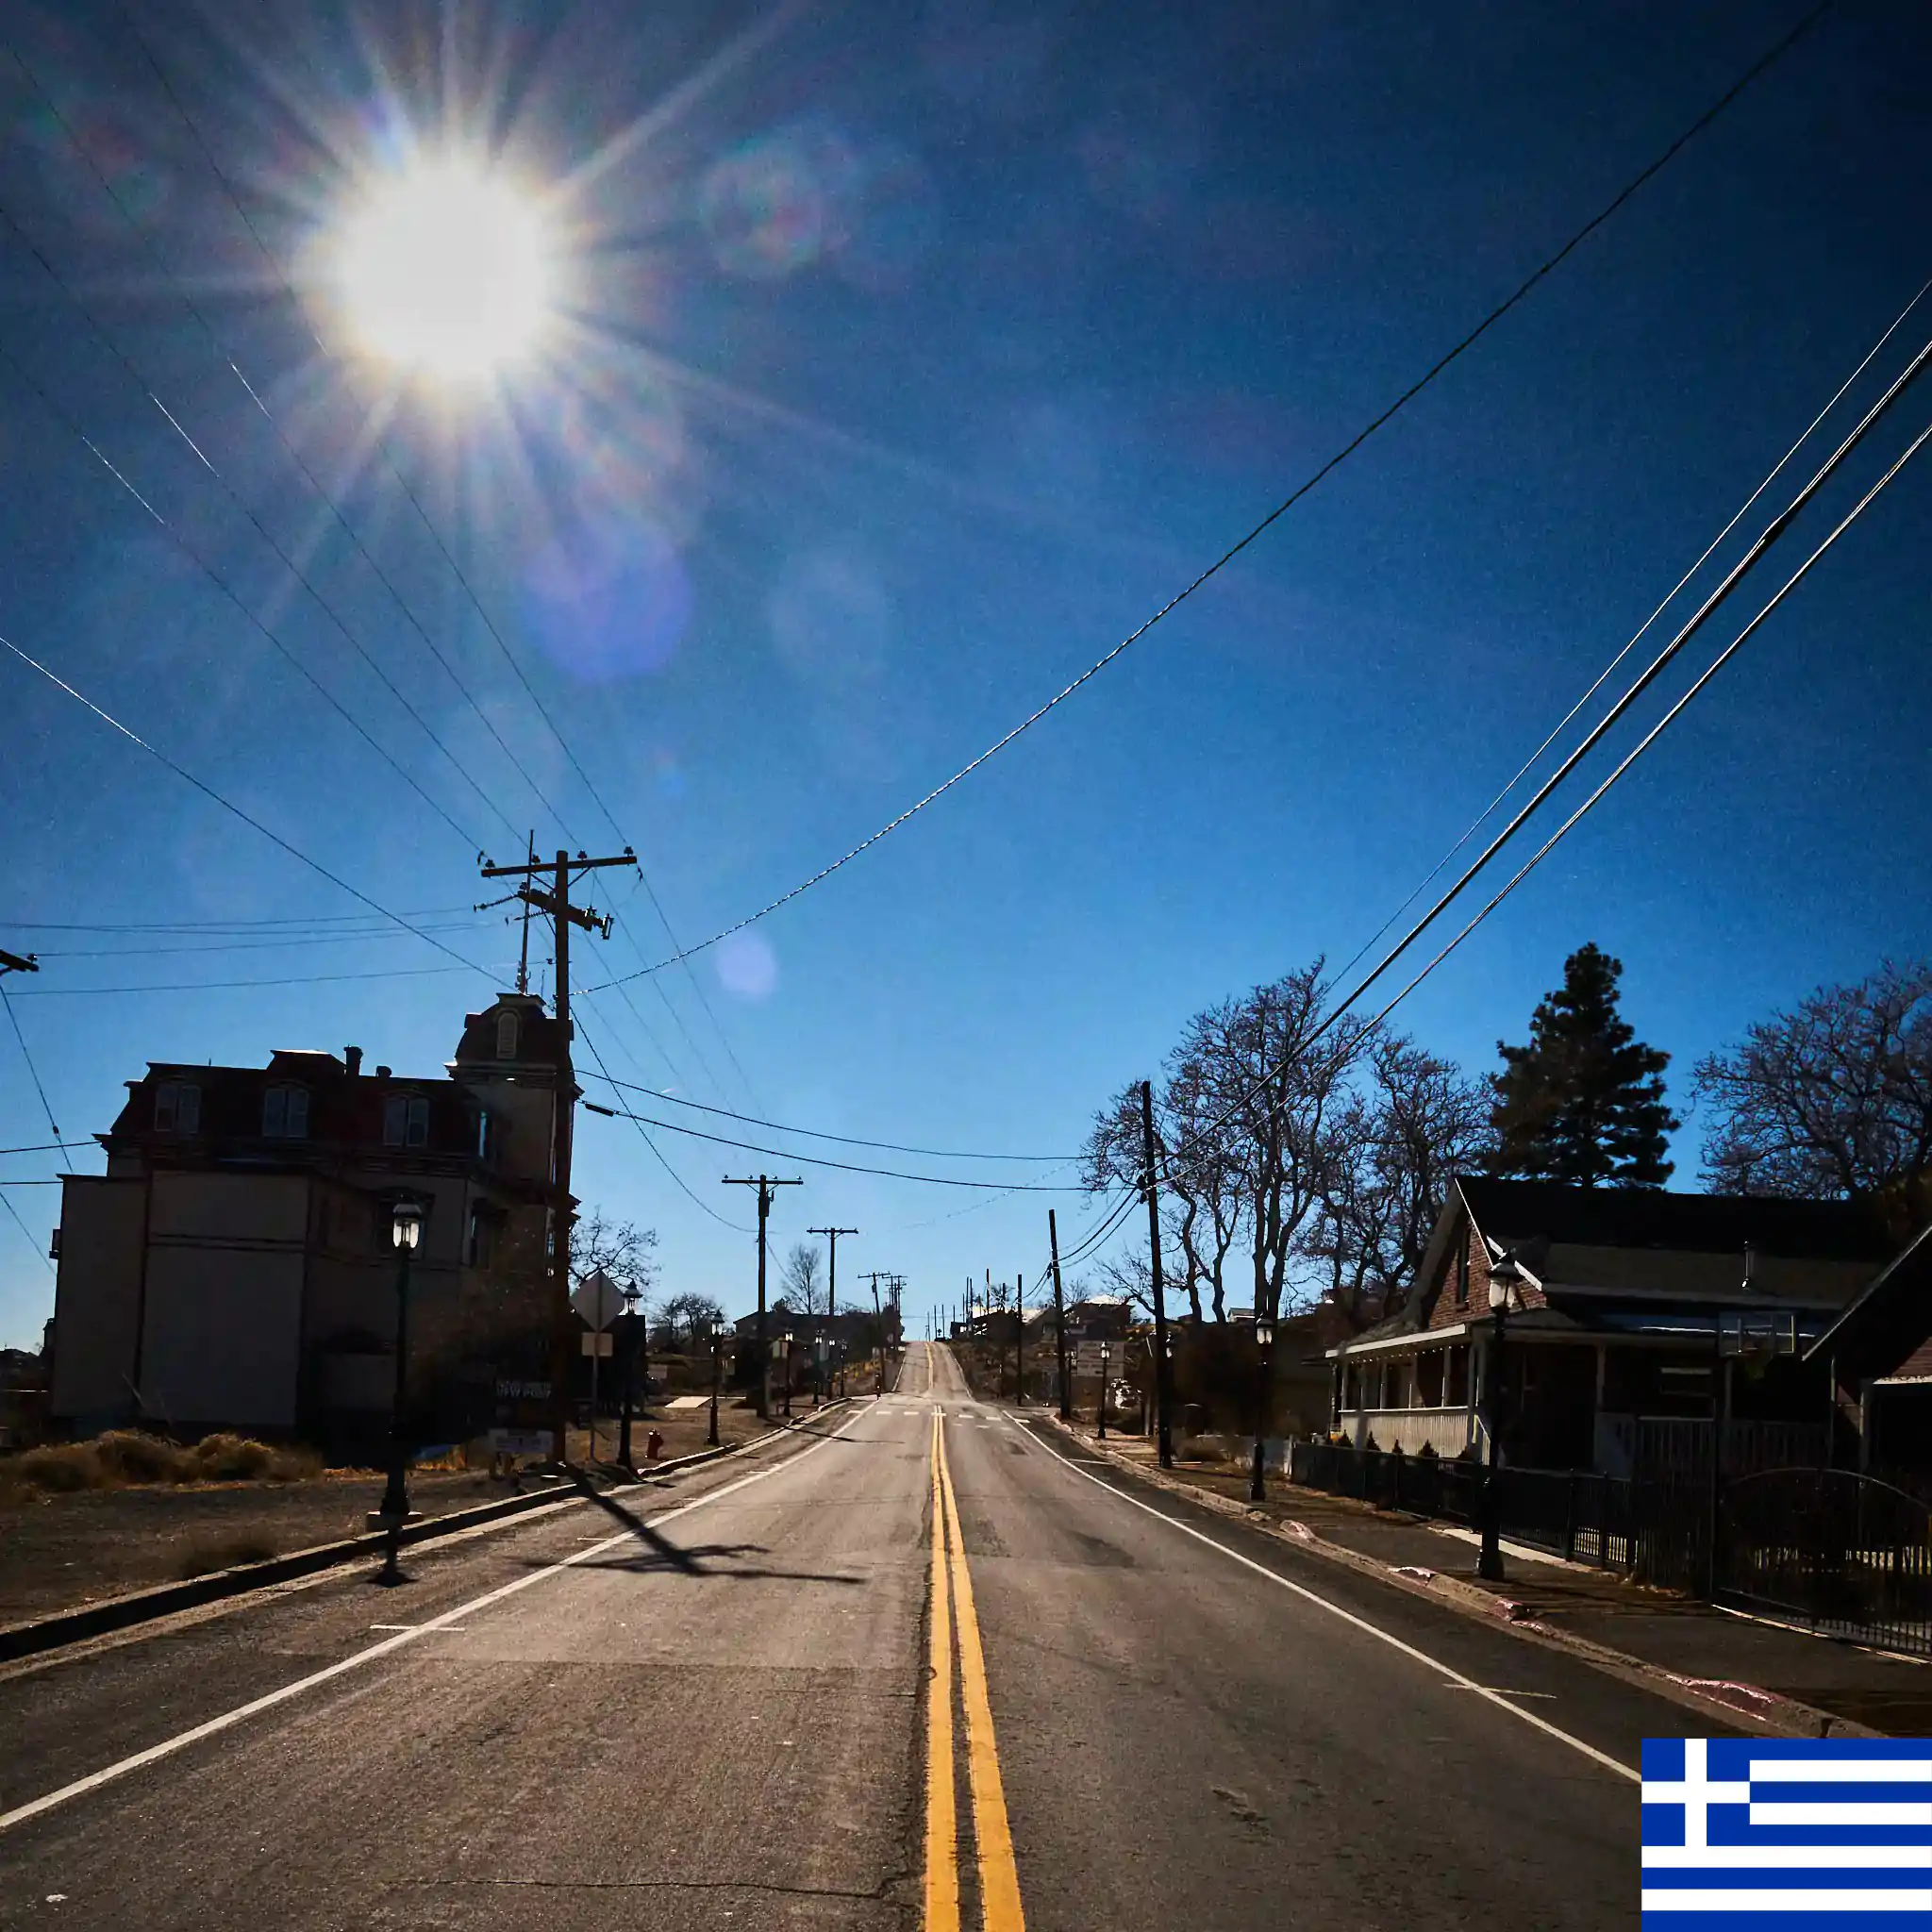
pixel 1891 1319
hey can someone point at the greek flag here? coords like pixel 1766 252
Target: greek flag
pixel 1754 1834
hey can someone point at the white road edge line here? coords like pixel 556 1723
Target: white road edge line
pixel 1334 1609
pixel 80 1786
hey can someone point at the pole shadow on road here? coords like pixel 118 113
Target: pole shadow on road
pixel 666 1555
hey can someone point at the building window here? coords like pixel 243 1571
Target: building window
pixel 418 1134
pixel 406 1121
pixel 285 1114
pixel 483 1135
pixel 506 1036
pixel 177 1108
pixel 477 1244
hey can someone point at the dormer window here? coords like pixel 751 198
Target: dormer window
pixel 406 1121
pixel 177 1108
pixel 506 1036
pixel 285 1114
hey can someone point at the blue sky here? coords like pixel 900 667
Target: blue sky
pixel 918 353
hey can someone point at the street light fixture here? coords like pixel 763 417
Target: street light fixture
pixel 1264 1388
pixel 1503 1275
pixel 405 1236
pixel 717 1362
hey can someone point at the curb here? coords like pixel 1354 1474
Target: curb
pixel 1780 1715
pixel 63 1628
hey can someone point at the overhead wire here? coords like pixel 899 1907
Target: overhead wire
pixel 33 1070
pixel 934 1180
pixel 235 199
pixel 1760 66
pixel 209 792
pixel 61 992
pixel 25 1234
pixel 844 1140
pixel 295 456
pixel 1603 676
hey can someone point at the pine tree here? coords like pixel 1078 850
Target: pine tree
pixel 1584 1101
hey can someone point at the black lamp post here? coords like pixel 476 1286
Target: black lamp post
pixel 628 1326
pixel 406 1233
pixel 1504 1273
pixel 1264 1390
pixel 786 1344
pixel 1106 1362
pixel 717 1364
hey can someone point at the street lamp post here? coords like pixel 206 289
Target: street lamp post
pixel 632 1295
pixel 717 1362
pixel 406 1233
pixel 786 1346
pixel 1264 1390
pixel 1106 1362
pixel 1503 1276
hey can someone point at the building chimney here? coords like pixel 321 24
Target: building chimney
pixel 382 1072
pixel 354 1056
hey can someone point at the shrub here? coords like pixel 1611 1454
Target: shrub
pixel 60 1468
pixel 129 1456
pixel 226 1457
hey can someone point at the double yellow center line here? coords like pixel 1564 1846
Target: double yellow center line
pixel 952 1601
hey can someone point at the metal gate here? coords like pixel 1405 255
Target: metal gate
pixel 1847 1555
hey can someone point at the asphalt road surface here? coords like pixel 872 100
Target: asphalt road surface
pixel 1144 1715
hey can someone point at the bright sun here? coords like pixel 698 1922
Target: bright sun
pixel 445 269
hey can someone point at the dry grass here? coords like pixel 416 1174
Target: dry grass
pixel 203 1558
pixel 129 1459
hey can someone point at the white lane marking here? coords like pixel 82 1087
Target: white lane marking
pixel 168 1746
pixel 1362 1624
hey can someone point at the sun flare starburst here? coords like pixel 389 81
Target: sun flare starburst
pixel 447 269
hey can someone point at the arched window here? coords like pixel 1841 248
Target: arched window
pixel 285 1114
pixel 506 1036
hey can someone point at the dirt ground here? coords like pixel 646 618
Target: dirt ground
pixel 61 1550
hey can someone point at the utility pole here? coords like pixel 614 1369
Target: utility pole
pixel 1060 1314
pixel 16 962
pixel 1019 1337
pixel 764 1183
pixel 832 1235
pixel 1163 1373
pixel 556 902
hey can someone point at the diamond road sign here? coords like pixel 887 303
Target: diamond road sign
pixel 598 1299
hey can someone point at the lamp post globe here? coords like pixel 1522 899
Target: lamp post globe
pixel 405 1236
pixel 1505 1276
pixel 1264 1388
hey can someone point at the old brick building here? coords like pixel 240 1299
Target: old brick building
pixel 234 1268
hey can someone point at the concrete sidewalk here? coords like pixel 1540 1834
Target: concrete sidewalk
pixel 1739 1661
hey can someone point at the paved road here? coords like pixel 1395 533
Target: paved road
pixel 724 1722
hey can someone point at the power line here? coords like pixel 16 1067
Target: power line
pixel 294 454
pixel 48 1147
pixel 209 792
pixel 24 1234
pixel 305 940
pixel 821 1160
pixel 63 992
pixel 657 1154
pixel 1758 67
pixel 844 1140
pixel 187 926
pixel 1656 730
pixel 1737 517
pixel 235 201
pixel 13 1018
pixel 208 569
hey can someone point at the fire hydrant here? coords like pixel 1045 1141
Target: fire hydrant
pixel 654 1446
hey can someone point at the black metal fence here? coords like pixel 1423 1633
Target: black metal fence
pixel 1845 1553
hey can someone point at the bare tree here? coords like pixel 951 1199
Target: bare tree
pixel 802 1266
pixel 1832 1100
pixel 1413 1124
pixel 689 1317
pixel 620 1248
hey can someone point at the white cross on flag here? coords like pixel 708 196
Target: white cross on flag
pixel 1752 1835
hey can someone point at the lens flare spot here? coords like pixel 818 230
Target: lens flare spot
pixel 773 206
pixel 609 598
pixel 746 966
